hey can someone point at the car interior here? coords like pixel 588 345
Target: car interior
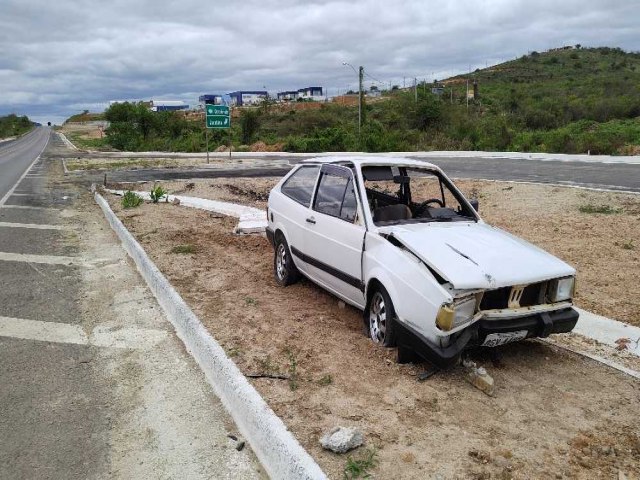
pixel 389 192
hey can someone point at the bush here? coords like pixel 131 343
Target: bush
pixel 157 192
pixel 131 200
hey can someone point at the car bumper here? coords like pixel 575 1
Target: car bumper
pixel 536 325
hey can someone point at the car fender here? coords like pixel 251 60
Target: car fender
pixel 414 291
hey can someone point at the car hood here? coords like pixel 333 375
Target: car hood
pixel 477 255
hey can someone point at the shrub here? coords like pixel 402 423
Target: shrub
pixel 157 192
pixel 131 200
pixel 187 248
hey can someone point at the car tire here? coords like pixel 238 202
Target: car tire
pixel 381 318
pixel 284 270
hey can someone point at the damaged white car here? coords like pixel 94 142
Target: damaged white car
pixel 395 238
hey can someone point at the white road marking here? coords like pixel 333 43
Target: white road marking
pixel 37 226
pixel 102 336
pixel 48 259
pixel 8 194
pixel 27 207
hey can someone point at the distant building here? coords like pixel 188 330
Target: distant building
pixel 168 105
pixel 311 93
pixel 288 96
pixel 248 97
pixel 211 99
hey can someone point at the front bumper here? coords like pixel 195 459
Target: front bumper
pixel 537 325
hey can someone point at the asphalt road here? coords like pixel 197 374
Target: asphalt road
pixel 607 176
pixel 94 383
pixel 17 155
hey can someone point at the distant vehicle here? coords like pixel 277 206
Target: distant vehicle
pixel 396 239
pixel 49 124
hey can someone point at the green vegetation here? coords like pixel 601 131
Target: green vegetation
pixel 131 200
pixel 156 193
pixel 325 380
pixel 606 209
pixel 571 100
pixel 187 248
pixel 359 468
pixel 87 143
pixel 14 126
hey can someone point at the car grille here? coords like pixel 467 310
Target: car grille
pixel 533 294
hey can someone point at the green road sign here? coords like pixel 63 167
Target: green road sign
pixel 217 116
pixel 217 110
pixel 218 121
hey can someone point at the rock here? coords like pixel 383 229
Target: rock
pixel 176 201
pixel 342 439
pixel 341 305
pixel 240 445
pixel 621 475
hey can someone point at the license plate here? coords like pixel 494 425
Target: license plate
pixel 495 339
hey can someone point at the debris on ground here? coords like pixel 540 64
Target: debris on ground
pixel 176 201
pixel 478 377
pixel 342 439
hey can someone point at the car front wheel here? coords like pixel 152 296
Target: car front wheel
pixel 284 270
pixel 381 316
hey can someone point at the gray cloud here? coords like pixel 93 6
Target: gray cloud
pixel 57 58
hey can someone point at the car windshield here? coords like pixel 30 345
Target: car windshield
pixel 398 194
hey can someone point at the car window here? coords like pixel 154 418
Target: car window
pixel 299 186
pixel 336 197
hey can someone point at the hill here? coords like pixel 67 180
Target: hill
pixel 14 126
pixel 567 100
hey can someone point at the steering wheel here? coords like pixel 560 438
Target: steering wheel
pixel 423 205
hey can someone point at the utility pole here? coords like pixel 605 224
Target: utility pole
pixel 466 94
pixel 360 98
pixel 415 89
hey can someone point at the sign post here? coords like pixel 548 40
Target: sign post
pixel 217 116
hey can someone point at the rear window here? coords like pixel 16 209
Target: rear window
pixel 299 186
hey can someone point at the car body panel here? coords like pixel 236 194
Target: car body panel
pixel 473 255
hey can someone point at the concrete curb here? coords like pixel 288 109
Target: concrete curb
pixel 66 141
pixel 251 219
pixel 279 452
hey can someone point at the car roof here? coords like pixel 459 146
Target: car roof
pixel 361 160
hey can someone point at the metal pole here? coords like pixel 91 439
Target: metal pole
pixel 360 77
pixel 207 136
pixel 415 88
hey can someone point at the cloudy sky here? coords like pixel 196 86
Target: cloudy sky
pixel 61 57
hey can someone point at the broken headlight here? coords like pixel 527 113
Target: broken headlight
pixel 561 289
pixel 452 315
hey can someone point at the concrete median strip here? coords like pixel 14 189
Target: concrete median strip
pixel 276 448
pixel 251 220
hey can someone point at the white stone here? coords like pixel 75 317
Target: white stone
pixel 342 439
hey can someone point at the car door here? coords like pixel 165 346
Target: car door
pixel 334 235
pixel 293 208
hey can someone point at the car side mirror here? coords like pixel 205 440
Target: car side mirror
pixel 475 204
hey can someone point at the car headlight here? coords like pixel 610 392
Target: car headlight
pixel 452 315
pixel 561 289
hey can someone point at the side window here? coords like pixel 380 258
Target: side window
pixel 299 186
pixel 336 197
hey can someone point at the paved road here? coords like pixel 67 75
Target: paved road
pixel 608 176
pixel 94 382
pixel 17 155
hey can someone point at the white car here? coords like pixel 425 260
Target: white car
pixel 395 238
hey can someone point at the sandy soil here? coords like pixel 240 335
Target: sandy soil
pixel 604 248
pixel 554 415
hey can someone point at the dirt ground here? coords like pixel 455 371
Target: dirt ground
pixel 554 414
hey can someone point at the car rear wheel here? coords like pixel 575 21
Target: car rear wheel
pixel 284 270
pixel 381 318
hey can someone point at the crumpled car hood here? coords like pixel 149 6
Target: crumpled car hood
pixel 477 255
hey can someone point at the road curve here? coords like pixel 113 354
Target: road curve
pixel 17 155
